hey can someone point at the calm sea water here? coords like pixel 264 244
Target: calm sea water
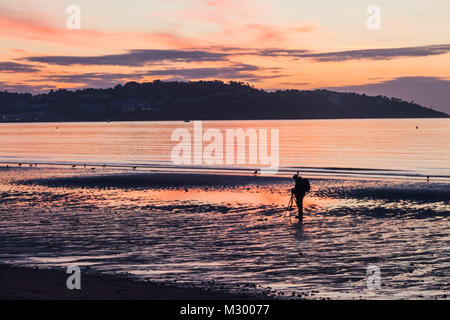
pixel 381 147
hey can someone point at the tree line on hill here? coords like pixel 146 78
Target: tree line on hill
pixel 200 100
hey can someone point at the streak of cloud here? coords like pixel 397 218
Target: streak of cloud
pixel 133 58
pixel 234 72
pixel 141 57
pixel 13 67
pixel 377 54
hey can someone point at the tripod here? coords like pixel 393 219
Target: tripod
pixel 289 206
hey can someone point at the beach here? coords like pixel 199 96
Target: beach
pixel 19 283
pixel 229 233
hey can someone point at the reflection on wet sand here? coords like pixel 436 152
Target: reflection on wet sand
pixel 231 230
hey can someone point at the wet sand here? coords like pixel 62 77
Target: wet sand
pixel 19 283
pixel 229 234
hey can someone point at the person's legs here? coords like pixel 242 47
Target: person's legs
pixel 299 199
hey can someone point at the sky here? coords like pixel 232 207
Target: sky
pixel 396 48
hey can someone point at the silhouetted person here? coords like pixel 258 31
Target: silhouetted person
pixel 301 187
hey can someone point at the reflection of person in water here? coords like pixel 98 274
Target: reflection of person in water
pixel 302 186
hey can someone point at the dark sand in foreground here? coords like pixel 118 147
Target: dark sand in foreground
pixel 41 284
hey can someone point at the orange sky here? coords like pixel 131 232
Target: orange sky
pixel 270 44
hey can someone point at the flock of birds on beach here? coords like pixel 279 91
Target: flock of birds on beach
pixel 255 173
pixel 31 165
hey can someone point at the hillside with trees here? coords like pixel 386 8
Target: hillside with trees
pixel 200 100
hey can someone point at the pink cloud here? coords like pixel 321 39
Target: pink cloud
pixel 29 28
pixel 26 28
pixel 238 23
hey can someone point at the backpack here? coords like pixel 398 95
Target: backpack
pixel 307 185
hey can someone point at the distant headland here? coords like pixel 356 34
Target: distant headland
pixel 200 100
